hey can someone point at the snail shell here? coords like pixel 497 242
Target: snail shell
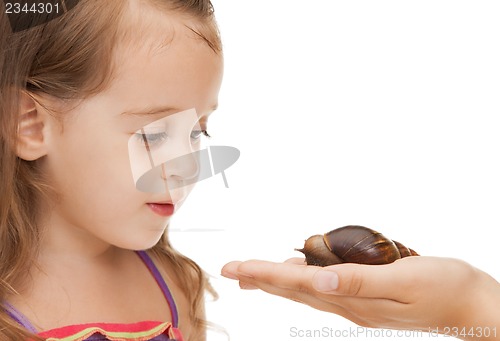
pixel 353 244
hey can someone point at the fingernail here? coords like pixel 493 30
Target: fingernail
pixel 229 275
pixel 325 281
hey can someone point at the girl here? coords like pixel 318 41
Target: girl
pixel 75 90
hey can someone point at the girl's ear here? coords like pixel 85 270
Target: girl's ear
pixel 31 142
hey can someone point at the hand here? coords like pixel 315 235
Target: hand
pixel 419 293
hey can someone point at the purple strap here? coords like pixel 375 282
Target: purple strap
pixel 19 318
pixel 163 286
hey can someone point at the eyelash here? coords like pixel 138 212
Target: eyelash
pixel 153 140
pixel 200 132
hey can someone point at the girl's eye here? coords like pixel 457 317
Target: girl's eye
pixel 196 134
pixel 151 140
pixel 154 140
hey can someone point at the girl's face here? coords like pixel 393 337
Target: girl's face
pixel 88 159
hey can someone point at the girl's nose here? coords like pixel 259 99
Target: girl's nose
pixel 184 168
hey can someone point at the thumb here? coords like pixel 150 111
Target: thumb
pixel 356 280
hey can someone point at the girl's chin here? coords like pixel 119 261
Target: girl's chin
pixel 142 242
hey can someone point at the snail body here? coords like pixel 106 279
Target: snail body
pixel 353 244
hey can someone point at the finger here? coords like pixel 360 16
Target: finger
pixel 303 298
pixel 394 281
pixel 295 282
pixel 230 270
pixel 390 281
pixel 281 275
pixel 247 286
pixel 297 261
pixel 381 281
pixel 367 312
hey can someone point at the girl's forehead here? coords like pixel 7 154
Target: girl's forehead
pixel 157 61
pixel 181 69
pixel 144 26
pixel 147 32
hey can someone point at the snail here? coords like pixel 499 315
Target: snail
pixel 353 244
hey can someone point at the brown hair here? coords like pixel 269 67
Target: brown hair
pixel 70 57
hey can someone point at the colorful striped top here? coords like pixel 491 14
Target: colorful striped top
pixel 141 331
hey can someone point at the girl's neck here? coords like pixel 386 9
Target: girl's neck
pixel 67 242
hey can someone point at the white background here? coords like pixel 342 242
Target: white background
pixel 378 113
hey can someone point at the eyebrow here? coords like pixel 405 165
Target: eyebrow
pixel 152 111
pixel 158 110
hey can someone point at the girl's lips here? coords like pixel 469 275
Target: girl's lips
pixel 164 210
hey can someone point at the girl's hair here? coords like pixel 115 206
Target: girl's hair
pixel 70 58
